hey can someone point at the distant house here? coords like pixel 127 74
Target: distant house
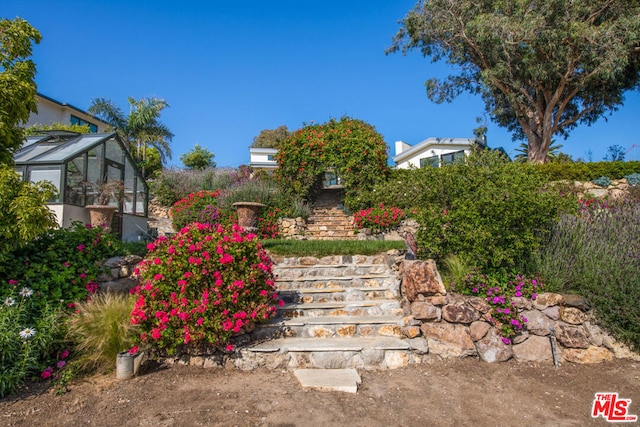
pixel 433 152
pixel 263 158
pixel 52 111
pixel 78 165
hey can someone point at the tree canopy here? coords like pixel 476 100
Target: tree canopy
pixel 271 138
pixel 198 158
pixel 141 129
pixel 541 66
pixel 17 85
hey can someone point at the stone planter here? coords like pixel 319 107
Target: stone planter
pixel 248 214
pixel 101 215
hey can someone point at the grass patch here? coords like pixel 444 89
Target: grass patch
pixel 320 248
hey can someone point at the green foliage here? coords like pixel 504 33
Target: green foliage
pixel 60 266
pixel 489 212
pixel 351 148
pixel 17 85
pixel 201 287
pixel 579 171
pixel 597 254
pixel 23 211
pixel 171 185
pixel 198 158
pixel 100 329
pixel 498 290
pixel 37 128
pixel 378 219
pixel 633 179
pixel 603 181
pixel 615 153
pixel 251 190
pixel 30 334
pixel 541 68
pixel 271 138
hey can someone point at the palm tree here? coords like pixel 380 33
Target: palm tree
pixel 141 129
pixel 523 152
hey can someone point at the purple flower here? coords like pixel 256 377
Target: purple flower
pixel 507 341
pixel 61 364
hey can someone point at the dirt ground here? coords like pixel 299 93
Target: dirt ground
pixel 451 393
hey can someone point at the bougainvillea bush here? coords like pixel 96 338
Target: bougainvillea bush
pixel 378 219
pixel 498 290
pixel 201 287
pixel 353 149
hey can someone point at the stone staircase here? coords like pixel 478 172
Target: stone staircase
pixel 339 312
pixel 327 221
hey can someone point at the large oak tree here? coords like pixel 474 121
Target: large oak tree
pixel 541 66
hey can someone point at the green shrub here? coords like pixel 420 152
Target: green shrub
pixel 597 254
pixel 100 329
pixel 489 212
pixel 171 185
pixel 603 181
pixel 633 179
pixel 197 207
pixel 61 266
pixel 579 171
pixel 201 287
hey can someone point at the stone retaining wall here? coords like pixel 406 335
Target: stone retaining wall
pixel 617 189
pixel 454 325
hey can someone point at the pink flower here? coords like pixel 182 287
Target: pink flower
pixel 226 258
pixel 157 261
pixel 199 321
pixel 133 350
pixel 61 364
pixel 158 277
pixel 81 247
pixel 229 347
pixel 151 247
pixel 64 354
pixel 46 373
pixel 13 282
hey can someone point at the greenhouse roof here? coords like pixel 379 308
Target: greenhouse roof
pixel 57 146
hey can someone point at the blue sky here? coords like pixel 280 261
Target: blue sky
pixel 229 69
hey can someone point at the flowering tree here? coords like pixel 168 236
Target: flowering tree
pixel 350 147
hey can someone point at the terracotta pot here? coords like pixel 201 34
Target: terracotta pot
pixel 248 214
pixel 101 215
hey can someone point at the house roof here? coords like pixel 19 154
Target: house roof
pixel 72 107
pixel 53 147
pixel 429 143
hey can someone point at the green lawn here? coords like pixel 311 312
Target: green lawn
pixel 320 248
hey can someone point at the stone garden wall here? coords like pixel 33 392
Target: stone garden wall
pixel 454 325
pixel 617 189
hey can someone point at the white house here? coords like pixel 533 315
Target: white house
pixel 52 111
pixel 433 152
pixel 263 158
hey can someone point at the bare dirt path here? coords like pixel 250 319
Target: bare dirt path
pixel 452 393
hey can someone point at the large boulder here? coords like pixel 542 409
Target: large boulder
pixel 421 278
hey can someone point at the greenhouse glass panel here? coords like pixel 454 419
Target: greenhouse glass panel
pixel 114 151
pixel 46 173
pixel 76 186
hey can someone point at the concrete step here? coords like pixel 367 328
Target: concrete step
pixel 333 353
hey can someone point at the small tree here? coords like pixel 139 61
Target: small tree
pixel 271 138
pixel 615 153
pixel 198 158
pixel 17 85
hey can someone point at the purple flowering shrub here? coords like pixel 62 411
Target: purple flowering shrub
pixel 498 291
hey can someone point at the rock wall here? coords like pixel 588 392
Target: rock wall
pixel 292 228
pixel 117 273
pixel 455 325
pixel 617 189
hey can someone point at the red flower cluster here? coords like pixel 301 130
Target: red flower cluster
pixel 378 219
pixel 203 286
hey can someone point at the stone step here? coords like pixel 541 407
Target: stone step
pixel 389 307
pixel 334 353
pixel 309 295
pixel 333 260
pixel 296 272
pixel 330 327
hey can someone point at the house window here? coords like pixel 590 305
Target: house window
pixel 270 157
pixel 452 157
pixel 429 162
pixel 78 121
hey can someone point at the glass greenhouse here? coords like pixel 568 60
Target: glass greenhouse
pixel 81 166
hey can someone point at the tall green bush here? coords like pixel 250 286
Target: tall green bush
pixel 491 213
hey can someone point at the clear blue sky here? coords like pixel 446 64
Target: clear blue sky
pixel 229 69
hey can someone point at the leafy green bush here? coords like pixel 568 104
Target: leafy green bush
pixel 31 333
pixel 491 213
pixel 171 185
pixel 597 254
pixel 378 219
pixel 579 171
pixel 351 148
pixel 61 266
pixel 201 287
pixel 633 179
pixel 100 329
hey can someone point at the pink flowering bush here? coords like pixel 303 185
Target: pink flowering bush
pixel 202 287
pixel 499 291
pixel 378 219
